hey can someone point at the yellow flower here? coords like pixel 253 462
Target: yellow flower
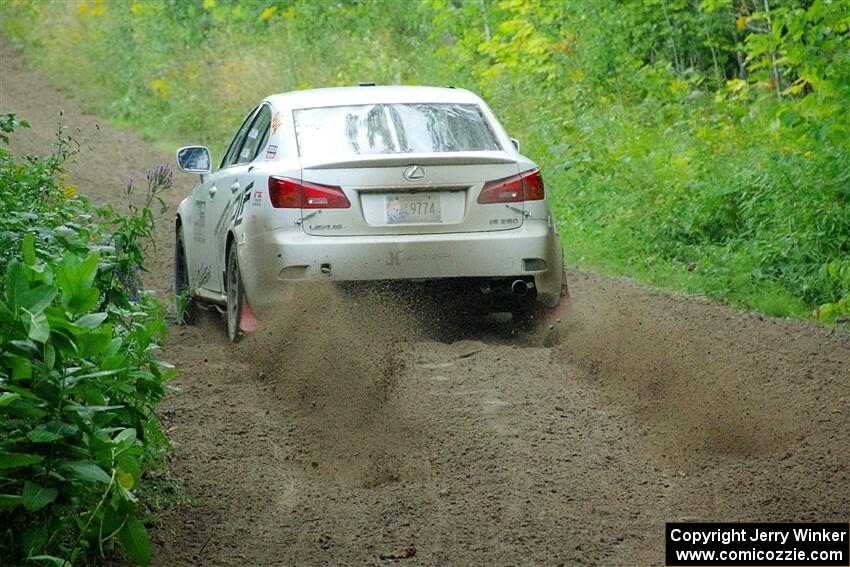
pixel 136 8
pixel 808 154
pixel 83 7
pixel 784 150
pixel 161 88
pixel 268 13
pixel 290 12
pixel 192 72
pixel 741 23
pixel 69 191
pixel 98 10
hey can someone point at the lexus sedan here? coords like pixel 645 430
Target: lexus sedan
pixel 366 183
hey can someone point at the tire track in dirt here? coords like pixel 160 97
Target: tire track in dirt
pixel 350 427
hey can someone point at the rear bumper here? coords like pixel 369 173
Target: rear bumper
pixel 274 258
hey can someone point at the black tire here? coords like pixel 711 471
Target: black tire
pixel 187 306
pixel 235 296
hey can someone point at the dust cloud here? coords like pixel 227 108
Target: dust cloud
pixel 335 356
pixel 699 390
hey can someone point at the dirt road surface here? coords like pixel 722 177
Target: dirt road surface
pixel 350 428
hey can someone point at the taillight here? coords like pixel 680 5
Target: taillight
pixel 288 193
pixel 526 186
pixel 532 185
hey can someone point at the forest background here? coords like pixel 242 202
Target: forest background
pixel 702 145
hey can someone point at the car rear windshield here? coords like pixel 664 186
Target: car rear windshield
pixel 345 131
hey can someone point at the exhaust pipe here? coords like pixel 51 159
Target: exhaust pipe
pixel 519 287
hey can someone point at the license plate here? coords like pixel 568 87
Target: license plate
pixel 418 208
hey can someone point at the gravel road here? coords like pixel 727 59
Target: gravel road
pixel 352 428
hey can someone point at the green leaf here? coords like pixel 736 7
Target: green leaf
pixel 91 321
pixel 37 299
pixel 128 463
pixel 136 541
pixel 37 497
pixel 97 341
pixel 126 438
pixel 98 374
pixel 38 329
pixel 21 368
pixel 41 435
pixel 7 398
pixel 22 392
pixel 87 471
pixel 84 300
pixel 64 428
pixel 34 540
pixel 15 460
pixel 16 284
pixel 789 118
pixel 50 559
pixel 28 247
pixel 88 411
pixel 49 356
pixel 5 313
pixel 125 479
pixel 75 279
pixel 10 500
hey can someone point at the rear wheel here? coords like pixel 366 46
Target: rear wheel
pixel 235 296
pixel 187 307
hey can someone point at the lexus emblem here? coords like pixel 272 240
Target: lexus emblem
pixel 413 173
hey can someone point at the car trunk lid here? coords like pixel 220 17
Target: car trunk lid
pixel 411 194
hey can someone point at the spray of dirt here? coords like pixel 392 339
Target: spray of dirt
pixel 701 395
pixel 335 357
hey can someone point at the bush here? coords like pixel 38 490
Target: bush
pixel 79 377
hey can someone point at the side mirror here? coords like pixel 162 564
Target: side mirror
pixel 194 159
pixel 515 142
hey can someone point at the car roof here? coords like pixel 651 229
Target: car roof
pixel 343 96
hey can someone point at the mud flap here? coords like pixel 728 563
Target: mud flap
pixel 564 302
pixel 248 322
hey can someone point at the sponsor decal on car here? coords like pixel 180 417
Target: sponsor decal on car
pixel 239 206
pixel 271 152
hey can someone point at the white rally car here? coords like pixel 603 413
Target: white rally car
pixel 366 183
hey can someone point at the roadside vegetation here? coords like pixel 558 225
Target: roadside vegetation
pixel 80 376
pixel 702 145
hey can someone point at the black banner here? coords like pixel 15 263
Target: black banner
pixel 804 544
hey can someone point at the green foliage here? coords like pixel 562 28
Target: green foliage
pixel 79 377
pixel 702 144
